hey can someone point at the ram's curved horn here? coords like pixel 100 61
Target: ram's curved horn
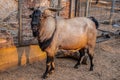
pixel 55 9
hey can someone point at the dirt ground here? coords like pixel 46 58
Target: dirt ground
pixel 106 65
pixel 106 61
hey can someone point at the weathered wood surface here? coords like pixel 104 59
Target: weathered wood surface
pixel 18 56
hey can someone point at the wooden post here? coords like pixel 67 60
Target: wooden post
pixel 76 7
pixel 59 5
pixel 80 7
pixel 51 3
pixel 20 22
pixel 87 8
pixel 112 11
pixel 70 8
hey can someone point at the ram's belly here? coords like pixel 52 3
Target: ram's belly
pixel 73 43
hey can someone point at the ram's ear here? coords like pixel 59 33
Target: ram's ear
pixel 30 16
pixel 56 9
pixel 97 1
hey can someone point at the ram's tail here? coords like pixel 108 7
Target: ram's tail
pixel 95 21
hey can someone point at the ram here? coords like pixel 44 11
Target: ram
pixel 55 33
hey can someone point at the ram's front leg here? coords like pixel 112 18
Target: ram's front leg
pixel 48 65
pixel 52 66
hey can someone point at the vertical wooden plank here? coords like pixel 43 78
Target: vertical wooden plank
pixel 112 11
pixel 20 22
pixel 52 3
pixel 70 8
pixel 76 7
pixel 87 8
pixel 78 10
pixel 59 5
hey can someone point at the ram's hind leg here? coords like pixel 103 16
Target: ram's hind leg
pixel 90 54
pixel 82 53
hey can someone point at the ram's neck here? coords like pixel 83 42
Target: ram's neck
pixel 46 29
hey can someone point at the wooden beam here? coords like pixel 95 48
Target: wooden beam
pixel 87 8
pixel 17 56
pixel 101 3
pixel 76 7
pixel 20 22
pixel 59 5
pixel 70 8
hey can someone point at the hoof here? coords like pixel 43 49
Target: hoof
pixel 76 67
pixel 45 76
pixel 52 71
pixel 91 69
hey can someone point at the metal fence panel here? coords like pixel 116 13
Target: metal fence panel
pixel 103 11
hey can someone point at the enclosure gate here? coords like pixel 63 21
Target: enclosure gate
pixel 104 11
